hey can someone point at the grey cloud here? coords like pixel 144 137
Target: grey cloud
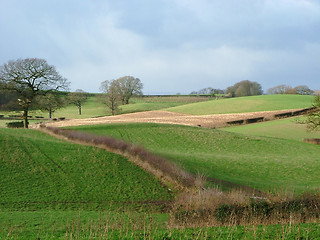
pixel 172 45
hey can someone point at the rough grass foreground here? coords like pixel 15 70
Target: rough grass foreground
pixel 196 207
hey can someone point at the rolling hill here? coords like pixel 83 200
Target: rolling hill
pixel 268 164
pixel 246 104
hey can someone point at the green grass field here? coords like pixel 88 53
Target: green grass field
pixel 246 104
pixel 288 128
pixel 268 164
pixel 104 225
pixel 41 172
pixel 93 107
pixel 52 189
pixel 197 105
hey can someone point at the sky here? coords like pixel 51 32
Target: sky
pixel 172 46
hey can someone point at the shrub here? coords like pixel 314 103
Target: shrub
pixel 15 124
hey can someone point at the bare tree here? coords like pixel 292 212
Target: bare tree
pixel 29 78
pixel 128 87
pixel 112 95
pixel 78 98
pixel 50 103
pixel 287 89
pixel 280 89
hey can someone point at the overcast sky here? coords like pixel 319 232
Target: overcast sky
pixel 171 45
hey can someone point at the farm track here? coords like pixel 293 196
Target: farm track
pixel 207 121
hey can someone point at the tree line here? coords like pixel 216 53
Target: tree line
pixel 249 88
pixel 32 83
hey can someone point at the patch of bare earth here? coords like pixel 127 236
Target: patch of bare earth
pixel 208 121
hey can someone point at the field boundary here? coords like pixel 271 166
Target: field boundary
pixel 287 114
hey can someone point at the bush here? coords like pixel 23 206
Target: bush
pixel 15 124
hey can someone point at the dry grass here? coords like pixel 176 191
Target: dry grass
pixel 206 208
pixel 312 140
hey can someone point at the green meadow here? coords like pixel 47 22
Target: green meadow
pixel 94 107
pixel 288 128
pixel 246 104
pixel 53 189
pixel 268 164
pixel 104 225
pixel 41 172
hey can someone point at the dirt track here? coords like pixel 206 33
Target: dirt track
pixel 208 121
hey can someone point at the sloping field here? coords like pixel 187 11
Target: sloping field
pixel 208 121
pixel 246 104
pixel 40 172
pixel 288 128
pixel 94 107
pixel 268 164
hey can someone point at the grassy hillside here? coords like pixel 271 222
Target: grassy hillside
pixel 288 128
pixel 246 104
pixel 267 164
pixel 94 108
pixel 40 172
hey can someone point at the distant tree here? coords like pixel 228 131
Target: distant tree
pixel 128 87
pixel 78 98
pixel 302 90
pixel 218 91
pixel 111 96
pixel 50 103
pixel 244 88
pixel 208 90
pixel 280 89
pixel 313 119
pixel 29 78
pixel 287 89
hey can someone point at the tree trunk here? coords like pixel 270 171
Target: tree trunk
pixel 50 114
pixel 79 107
pixel 25 118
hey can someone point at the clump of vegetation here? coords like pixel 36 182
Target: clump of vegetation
pixel 120 91
pixel 287 89
pixel 15 124
pixel 213 207
pixel 313 119
pixel 244 88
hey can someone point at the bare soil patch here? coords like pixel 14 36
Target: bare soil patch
pixel 208 121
